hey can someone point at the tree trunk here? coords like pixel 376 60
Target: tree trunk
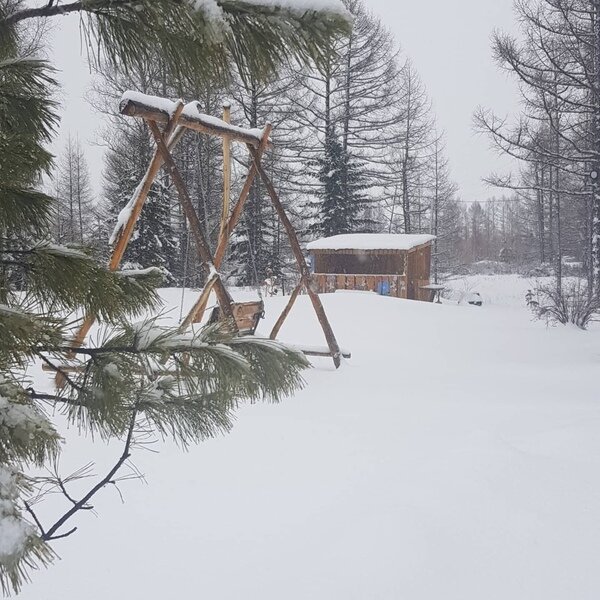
pixel 596 167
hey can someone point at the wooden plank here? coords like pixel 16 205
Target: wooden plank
pixel 403 289
pixel 144 189
pixel 202 247
pixel 203 298
pixel 246 315
pixel 239 207
pixel 385 251
pixel 331 283
pixel 226 174
pixel 320 282
pixel 304 271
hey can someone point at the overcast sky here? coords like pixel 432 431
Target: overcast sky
pixel 448 41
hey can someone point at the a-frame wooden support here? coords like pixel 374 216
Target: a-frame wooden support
pixel 177 119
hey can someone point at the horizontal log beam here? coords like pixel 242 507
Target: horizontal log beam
pixel 190 118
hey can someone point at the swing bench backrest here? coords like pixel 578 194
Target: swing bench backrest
pixel 246 314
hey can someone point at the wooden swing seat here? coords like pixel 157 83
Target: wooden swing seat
pixel 247 315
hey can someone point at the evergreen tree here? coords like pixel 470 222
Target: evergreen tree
pixel 183 385
pixel 341 204
pixel 198 41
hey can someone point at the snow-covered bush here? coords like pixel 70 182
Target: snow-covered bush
pixel 571 303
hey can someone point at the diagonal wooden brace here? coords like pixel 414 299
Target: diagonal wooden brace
pixel 174 136
pixel 304 271
pixel 287 309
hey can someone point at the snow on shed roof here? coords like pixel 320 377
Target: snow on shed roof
pixel 371 241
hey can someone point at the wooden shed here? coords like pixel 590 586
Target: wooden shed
pixel 396 265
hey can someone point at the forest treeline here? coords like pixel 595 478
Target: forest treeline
pixel 357 149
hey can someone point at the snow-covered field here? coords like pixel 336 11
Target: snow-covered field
pixel 456 456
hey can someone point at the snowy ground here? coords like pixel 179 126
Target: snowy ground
pixel 455 456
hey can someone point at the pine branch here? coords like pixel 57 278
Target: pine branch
pixel 50 10
pixel 83 504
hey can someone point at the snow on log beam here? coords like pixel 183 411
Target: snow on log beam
pixel 160 110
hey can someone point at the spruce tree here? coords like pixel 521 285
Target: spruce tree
pixel 154 243
pixel 341 202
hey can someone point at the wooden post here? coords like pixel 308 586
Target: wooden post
pixel 202 246
pixel 304 271
pixel 197 312
pixel 226 173
pixel 239 207
pixel 142 193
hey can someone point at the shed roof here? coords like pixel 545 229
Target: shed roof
pixel 371 241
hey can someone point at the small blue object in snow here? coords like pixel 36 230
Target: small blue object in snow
pixel 383 288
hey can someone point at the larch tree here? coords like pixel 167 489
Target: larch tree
pixel 556 61
pixel 351 99
pixel 74 207
pixel 259 250
pixel 411 153
pixel 444 213
pixel 186 386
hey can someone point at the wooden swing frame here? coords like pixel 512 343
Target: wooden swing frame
pixel 176 122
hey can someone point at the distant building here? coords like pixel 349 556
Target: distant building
pixel 396 265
